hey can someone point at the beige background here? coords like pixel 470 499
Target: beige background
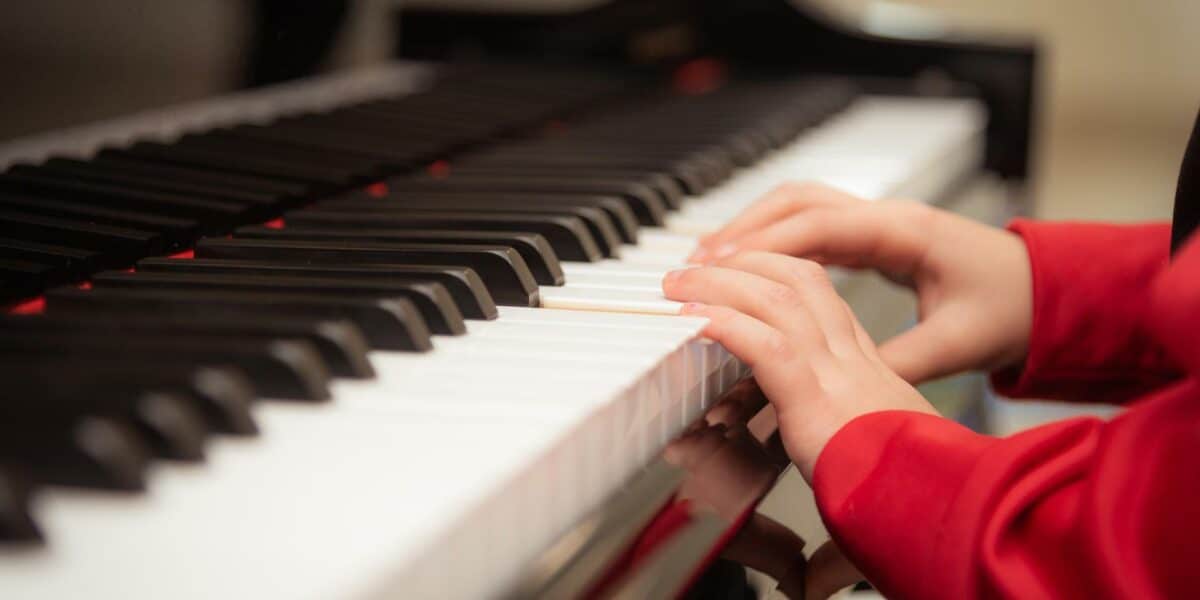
pixel 1120 87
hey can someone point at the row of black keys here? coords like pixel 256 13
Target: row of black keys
pixel 276 312
pixel 66 218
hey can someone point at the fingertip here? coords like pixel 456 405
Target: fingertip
pixel 692 308
pixel 698 256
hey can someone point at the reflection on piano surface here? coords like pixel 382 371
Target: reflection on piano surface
pixel 400 331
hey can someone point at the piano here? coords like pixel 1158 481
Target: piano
pixel 397 331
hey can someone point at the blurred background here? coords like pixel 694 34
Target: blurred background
pixel 1118 92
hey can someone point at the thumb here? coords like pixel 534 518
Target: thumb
pixel 927 350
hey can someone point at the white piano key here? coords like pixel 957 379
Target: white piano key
pixel 609 300
pixel 617 266
pixel 321 494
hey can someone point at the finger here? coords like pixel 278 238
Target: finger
pixel 780 202
pixel 690 450
pixel 738 406
pixel 812 283
pixel 883 237
pixel 770 302
pixel 927 349
pixel 764 349
pixel 829 571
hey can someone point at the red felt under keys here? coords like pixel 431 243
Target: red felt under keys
pixel 34 306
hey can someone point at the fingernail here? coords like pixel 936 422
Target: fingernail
pixel 724 250
pixel 671 276
pixel 689 308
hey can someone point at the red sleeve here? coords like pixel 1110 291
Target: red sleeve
pixel 1091 291
pixel 1081 508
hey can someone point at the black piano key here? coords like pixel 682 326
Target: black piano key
pixel 223 395
pixel 340 343
pixel 700 166
pixel 208 158
pixel 374 151
pixel 388 324
pixel 431 299
pixel 79 451
pixel 742 148
pixel 15 288
pixel 119 245
pixel 290 369
pixel 350 165
pixel 667 188
pixel 463 284
pixel 379 131
pixel 114 174
pixel 125 162
pixel 21 279
pixel 166 421
pixel 15 267
pixel 534 248
pixel 217 212
pixel 693 176
pixel 72 260
pixel 175 230
pixel 608 219
pixel 16 517
pixel 502 269
pixel 568 235
pixel 649 208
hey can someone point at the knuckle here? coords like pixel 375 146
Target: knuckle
pixel 719 317
pixel 783 295
pixel 778 346
pixel 809 272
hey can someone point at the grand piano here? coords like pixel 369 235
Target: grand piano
pixel 397 331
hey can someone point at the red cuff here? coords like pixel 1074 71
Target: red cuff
pixel 1091 295
pixel 885 484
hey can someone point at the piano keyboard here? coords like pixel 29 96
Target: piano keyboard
pixel 412 381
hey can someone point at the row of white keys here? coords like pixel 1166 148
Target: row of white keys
pixel 610 430
pixel 510 433
pixel 877 147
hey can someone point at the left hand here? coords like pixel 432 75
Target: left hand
pixel 813 360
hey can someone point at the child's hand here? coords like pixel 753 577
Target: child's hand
pixel 973 281
pixel 781 316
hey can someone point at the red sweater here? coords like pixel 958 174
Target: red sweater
pixel 1081 508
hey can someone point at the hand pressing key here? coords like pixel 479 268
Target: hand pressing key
pixel 973 281
pixel 782 317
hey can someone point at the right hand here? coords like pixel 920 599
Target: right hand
pixel 973 282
